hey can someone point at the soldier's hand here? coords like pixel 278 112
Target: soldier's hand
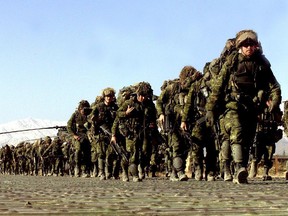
pixel 210 118
pixel 272 105
pixel 161 119
pixel 113 139
pixel 129 110
pixel 76 137
pixel 183 126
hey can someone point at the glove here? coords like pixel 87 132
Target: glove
pixel 210 118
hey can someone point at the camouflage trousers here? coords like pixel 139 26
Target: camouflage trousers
pixel 265 147
pixel 82 151
pixel 202 137
pixel 238 129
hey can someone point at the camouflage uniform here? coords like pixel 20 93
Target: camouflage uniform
pixel 202 136
pixel 240 80
pixel 57 157
pixel 102 116
pixel 169 107
pixel 77 126
pixel 267 134
pixel 45 153
pixel 6 158
pixel 136 118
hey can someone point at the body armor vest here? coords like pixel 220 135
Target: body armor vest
pixel 243 79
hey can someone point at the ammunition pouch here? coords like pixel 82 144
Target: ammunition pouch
pixel 168 123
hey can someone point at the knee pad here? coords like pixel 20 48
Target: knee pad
pixel 177 163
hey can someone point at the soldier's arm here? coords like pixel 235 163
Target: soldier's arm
pixel 275 89
pixel 189 104
pixel 218 87
pixel 121 112
pixel 70 125
pixel 160 102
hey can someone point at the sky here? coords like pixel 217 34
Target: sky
pixel 54 53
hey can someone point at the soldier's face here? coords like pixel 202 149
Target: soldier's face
pixel 140 98
pixel 248 49
pixel 108 99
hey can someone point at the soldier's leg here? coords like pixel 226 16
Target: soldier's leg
pixel 132 146
pixel 101 159
pixel 77 158
pixel 226 160
pixel 268 161
pixel 109 162
pixel 232 121
pixel 94 161
pixel 178 160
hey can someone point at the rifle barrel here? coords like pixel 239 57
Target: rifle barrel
pixel 31 129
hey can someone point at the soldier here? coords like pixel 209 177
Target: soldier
pixel 6 158
pixel 77 126
pixel 241 78
pixel 136 118
pixel 119 129
pixel 267 134
pixel 57 157
pixel 169 108
pixel 285 125
pixel 44 154
pixel 102 118
pixel 202 136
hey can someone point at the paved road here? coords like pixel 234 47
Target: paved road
pixel 154 196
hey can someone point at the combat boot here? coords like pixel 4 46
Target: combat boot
pixel 173 176
pixel 198 173
pixel 153 169
pixel 125 177
pixel 241 175
pixel 266 176
pixel 182 176
pixel 133 169
pixel 141 172
pixel 101 170
pixel 253 170
pixel 95 170
pixel 210 177
pixel 227 171
pixel 77 171
pixel 108 174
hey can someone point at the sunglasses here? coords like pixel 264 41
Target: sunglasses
pixel 248 44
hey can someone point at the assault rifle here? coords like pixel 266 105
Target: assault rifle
pixel 119 150
pixel 216 131
pixel 43 128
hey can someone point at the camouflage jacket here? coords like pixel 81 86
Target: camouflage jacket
pixel 76 124
pixel 103 115
pixel 142 116
pixel 225 91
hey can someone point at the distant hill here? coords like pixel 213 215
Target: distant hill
pixel 282 146
pixel 26 124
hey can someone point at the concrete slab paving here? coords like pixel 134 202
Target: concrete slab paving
pixel 38 195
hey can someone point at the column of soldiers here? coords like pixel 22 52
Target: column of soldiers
pixel 219 124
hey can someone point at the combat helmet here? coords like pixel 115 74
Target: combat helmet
pixel 83 104
pixel 144 88
pixel 108 92
pixel 247 36
pixel 47 139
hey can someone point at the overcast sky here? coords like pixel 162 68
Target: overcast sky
pixel 54 53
